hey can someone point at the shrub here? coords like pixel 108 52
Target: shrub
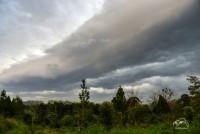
pixel 188 113
pixel 106 113
pixel 67 120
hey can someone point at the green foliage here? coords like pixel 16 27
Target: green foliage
pixel 84 95
pixel 96 109
pixel 167 94
pixel 188 113
pixel 162 106
pixel 67 120
pixel 3 126
pixel 12 126
pixel 27 118
pixel 184 100
pixel 154 119
pixel 119 101
pixel 121 116
pixel 41 111
pixel 84 98
pixel 141 113
pixel 6 105
pixel 106 114
pixel 53 121
pixel 18 106
pixel 120 105
pixel 133 101
pixel 195 87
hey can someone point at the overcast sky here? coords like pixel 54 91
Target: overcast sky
pixel 48 47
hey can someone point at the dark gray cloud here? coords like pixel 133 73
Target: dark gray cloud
pixel 125 44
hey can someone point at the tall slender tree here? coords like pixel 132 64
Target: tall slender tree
pixel 194 89
pixel 84 98
pixel 18 106
pixel 120 104
pixel 5 104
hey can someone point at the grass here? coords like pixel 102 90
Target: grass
pixel 12 126
pixel 154 129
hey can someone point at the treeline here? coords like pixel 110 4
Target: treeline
pixel 121 111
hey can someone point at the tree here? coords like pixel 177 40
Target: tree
pixel 106 114
pixel 6 105
pixel 195 87
pixel 133 99
pixel 84 97
pixel 184 100
pixel 188 113
pixel 18 106
pixel 195 91
pixel 95 109
pixel 120 104
pixel 119 101
pixel 41 111
pixel 140 113
pixel 162 106
pixel 166 93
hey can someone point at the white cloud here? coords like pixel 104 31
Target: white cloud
pixel 28 28
pixel 100 90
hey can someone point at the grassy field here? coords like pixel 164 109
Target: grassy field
pixel 11 126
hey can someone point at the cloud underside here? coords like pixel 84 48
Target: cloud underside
pixel 144 45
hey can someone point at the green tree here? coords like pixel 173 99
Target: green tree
pixel 133 101
pixel 18 106
pixel 84 98
pixel 41 111
pixel 106 114
pixel 195 87
pixel 167 94
pixel 162 106
pixel 6 105
pixel 95 109
pixel 54 112
pixel 184 100
pixel 141 113
pixel 188 112
pixel 120 104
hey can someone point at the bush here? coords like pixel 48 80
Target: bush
pixel 188 113
pixel 106 114
pixel 67 120
pixel 141 113
pixel 154 119
pixel 12 126
pixel 3 126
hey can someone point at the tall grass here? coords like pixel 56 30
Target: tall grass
pixel 12 126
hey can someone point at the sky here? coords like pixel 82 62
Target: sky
pixel 48 47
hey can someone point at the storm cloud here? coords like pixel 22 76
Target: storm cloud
pixel 144 45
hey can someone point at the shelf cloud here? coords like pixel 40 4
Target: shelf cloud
pixel 151 44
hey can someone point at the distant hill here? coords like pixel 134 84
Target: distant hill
pixel 64 102
pixel 32 102
pixel 35 102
